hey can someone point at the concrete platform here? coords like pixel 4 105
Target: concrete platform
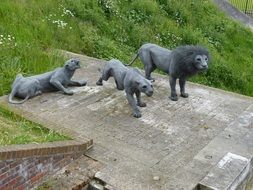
pixel 174 145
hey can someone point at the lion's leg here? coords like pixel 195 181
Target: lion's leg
pixel 148 70
pixel 132 103
pixel 37 93
pixel 77 83
pixel 106 73
pixel 182 88
pixel 99 82
pixel 139 102
pixel 119 85
pixel 173 95
pixel 60 87
pixel 149 67
pixel 34 93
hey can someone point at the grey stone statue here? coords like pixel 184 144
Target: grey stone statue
pixel 24 88
pixel 182 62
pixel 58 79
pixel 129 79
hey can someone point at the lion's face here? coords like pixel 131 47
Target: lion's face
pixel 201 62
pixel 146 87
pixel 73 64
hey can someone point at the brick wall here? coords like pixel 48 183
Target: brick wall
pixel 25 166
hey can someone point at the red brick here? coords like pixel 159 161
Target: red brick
pixel 37 177
pixel 20 187
pixel 31 165
pixel 15 169
pixel 32 172
pixel 13 182
pixel 6 180
pixel 3 176
pixel 15 163
pixel 21 181
pixel 5 169
pixel 5 187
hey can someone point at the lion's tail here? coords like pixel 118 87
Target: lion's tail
pixel 133 60
pixel 10 99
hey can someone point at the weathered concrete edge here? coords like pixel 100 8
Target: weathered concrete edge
pixel 236 183
pixel 234 13
pixel 245 125
pixel 69 53
pixel 11 152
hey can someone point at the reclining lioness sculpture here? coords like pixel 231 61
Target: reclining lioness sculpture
pixel 129 79
pixel 58 79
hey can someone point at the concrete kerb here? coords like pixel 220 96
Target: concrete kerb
pixel 232 171
pixel 12 152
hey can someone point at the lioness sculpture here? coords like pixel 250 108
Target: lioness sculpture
pixel 58 79
pixel 129 79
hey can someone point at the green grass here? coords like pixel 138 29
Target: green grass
pixel 116 29
pixel 17 130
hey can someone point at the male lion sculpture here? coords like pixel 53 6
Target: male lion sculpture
pixel 182 62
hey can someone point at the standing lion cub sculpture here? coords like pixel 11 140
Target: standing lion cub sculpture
pixel 180 63
pixel 129 79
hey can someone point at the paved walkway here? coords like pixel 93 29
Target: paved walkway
pixel 173 145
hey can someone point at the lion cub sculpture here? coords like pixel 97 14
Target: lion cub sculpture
pixel 58 79
pixel 182 62
pixel 129 79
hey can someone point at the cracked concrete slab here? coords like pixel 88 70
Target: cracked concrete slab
pixel 172 146
pixel 230 171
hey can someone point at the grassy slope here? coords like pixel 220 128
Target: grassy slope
pixel 16 130
pixel 116 29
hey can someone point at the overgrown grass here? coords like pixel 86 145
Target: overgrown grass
pixel 17 130
pixel 116 29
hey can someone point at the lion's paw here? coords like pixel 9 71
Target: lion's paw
pixel 141 104
pixel 83 83
pixel 184 95
pixel 174 98
pixel 137 114
pixel 69 92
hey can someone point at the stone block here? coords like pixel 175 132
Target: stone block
pixel 228 174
